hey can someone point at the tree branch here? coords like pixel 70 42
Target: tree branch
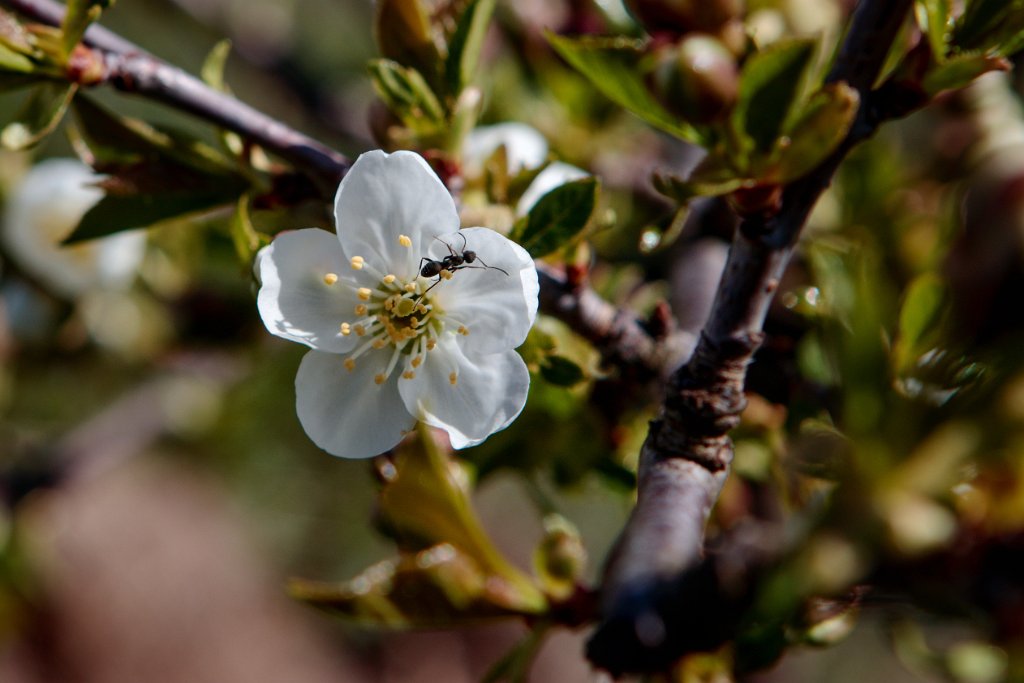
pixel 686 457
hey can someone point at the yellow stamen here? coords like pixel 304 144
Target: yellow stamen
pixel 408 374
pixel 346 329
pixel 463 330
pixel 431 344
pixel 422 309
pixel 388 279
pixel 364 293
pixel 357 262
pixel 379 343
pixel 410 287
pixel 414 321
pixel 379 379
pixel 404 240
pixel 453 379
pixel 350 364
pixel 359 330
pixel 330 278
pixel 446 274
pixel 361 309
pixel 417 361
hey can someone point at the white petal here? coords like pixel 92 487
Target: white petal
pixel 525 147
pixel 387 195
pixel 346 413
pixel 295 301
pixel 490 391
pixel 43 209
pixel 497 308
pixel 555 175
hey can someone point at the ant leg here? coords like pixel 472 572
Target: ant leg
pixel 487 266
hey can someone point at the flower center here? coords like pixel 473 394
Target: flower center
pixel 397 315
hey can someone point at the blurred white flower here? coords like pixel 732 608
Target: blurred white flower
pixel 525 149
pixel 43 209
pixel 391 346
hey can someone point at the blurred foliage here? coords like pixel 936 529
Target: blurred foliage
pixel 885 427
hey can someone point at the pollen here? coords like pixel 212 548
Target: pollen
pixel 404 240
pixel 388 279
pixel 350 364
pixel 346 329
pixel 453 379
pixel 330 278
pixel 417 361
pixel 422 309
pixel 361 309
pixel 446 274
pixel 431 344
pixel 410 287
pixel 463 330
pixel 357 262
pixel 359 330
pixel 364 293
pixel 379 378
pixel 409 374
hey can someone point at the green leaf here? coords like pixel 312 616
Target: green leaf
pixel 959 71
pixel 819 130
pixel 13 61
pixel 561 371
pixel 246 238
pixel 713 177
pixel 933 17
pixel 119 212
pixel 39 116
pixel 923 308
pixel 406 93
pixel 561 558
pixel 613 66
pixel 770 86
pixel 78 15
pixel 558 218
pixel 464 45
pixel 984 20
pixel 212 71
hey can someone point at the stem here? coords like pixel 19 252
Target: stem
pixel 685 459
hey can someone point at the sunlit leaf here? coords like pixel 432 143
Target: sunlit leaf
pixel 212 71
pixel 246 238
pixel 78 15
pixel 819 130
pixel 933 16
pixel 14 61
pixel 613 66
pixel 985 21
pixel 406 93
pixel 558 218
pixel 770 86
pixel 923 307
pixel 960 70
pixel 464 45
pixel 39 116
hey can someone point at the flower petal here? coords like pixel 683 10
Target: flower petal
pixel 497 308
pixel 387 195
pixel 555 175
pixel 345 412
pixel 525 147
pixel 490 391
pixel 295 301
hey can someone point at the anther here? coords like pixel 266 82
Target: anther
pixel 408 374
pixel 431 344
pixel 379 343
pixel 346 329
pixel 361 309
pixel 379 379
pixel 453 379
pixel 364 293
pixel 388 279
pixel 417 361
pixel 410 287
pixel 404 240
pixel 357 262
pixel 446 274
pixel 330 278
pixel 463 330
pixel 350 364
pixel 359 330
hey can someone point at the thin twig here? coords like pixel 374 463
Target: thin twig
pixel 686 457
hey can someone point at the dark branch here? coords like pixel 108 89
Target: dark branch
pixel 686 457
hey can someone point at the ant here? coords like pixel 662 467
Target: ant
pixel 454 261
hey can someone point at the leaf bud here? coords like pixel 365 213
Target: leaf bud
pixel 697 79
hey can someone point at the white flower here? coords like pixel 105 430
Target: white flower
pixel 43 209
pixel 525 149
pixel 389 345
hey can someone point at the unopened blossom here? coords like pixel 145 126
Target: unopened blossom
pixel 389 345
pixel 43 209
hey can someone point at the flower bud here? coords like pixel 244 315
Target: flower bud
pixel 679 17
pixel 697 79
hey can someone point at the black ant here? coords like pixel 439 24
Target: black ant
pixel 452 262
